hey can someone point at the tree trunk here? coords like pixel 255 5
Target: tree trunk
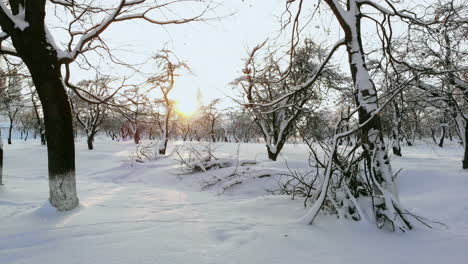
pixel 43 138
pixel 384 194
pixel 136 136
pixel 1 158
pixel 465 156
pixel 272 155
pixel 90 142
pixel 442 137
pixel 433 135
pixel 163 147
pixel 10 129
pixel 396 130
pixel 45 72
pixel 60 140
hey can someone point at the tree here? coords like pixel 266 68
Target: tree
pixel 11 101
pixel 1 158
pixel 240 126
pixel 26 122
pixel 265 81
pixel 112 123
pixel 135 107
pixel 28 37
pixel 377 170
pixel 166 71
pixel 38 114
pixel 91 116
pixel 2 91
pixel 210 118
pixel 436 57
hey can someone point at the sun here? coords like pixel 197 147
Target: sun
pixel 186 106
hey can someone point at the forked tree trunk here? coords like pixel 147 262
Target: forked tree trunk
pixel 385 196
pixel 272 155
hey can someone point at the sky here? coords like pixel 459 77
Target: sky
pixel 214 50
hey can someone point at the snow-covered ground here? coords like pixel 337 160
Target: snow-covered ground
pixel 148 213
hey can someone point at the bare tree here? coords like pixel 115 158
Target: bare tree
pixel 209 119
pixel 436 56
pixel 135 107
pixel 164 78
pixel 26 122
pixel 91 116
pixel 350 15
pixel 11 102
pixel 1 158
pixel 265 81
pixel 38 114
pixel 26 35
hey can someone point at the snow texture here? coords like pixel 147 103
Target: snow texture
pixel 150 213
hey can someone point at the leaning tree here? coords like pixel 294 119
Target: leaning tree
pixel 27 35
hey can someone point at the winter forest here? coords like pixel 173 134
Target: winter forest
pixel 240 131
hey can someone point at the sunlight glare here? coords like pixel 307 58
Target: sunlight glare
pixel 186 106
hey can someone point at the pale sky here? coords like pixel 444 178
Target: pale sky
pixel 214 50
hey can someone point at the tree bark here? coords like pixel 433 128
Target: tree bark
pixel 1 158
pixel 396 129
pixel 40 57
pixel 442 137
pixel 272 155
pixel 60 139
pixel 43 138
pixel 163 147
pixel 385 195
pixel 10 129
pixel 90 142
pixel 465 156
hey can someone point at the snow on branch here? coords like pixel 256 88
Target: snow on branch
pixel 306 85
pixel 126 10
pixel 18 19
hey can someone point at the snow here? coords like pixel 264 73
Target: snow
pixel 150 213
pixel 19 19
